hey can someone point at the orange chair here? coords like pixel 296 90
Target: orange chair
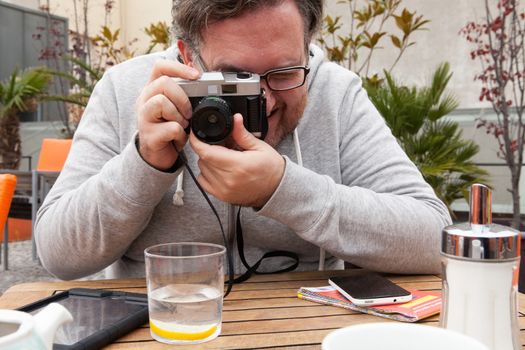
pixel 53 155
pixel 7 191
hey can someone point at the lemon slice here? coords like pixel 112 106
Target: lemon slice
pixel 181 332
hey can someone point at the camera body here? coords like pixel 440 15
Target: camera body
pixel 217 96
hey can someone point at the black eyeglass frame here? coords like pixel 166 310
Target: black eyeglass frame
pixel 264 76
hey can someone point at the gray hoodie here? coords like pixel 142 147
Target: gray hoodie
pixel 357 194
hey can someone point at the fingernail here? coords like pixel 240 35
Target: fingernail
pixel 193 71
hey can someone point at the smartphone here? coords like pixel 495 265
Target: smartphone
pixel 99 316
pixel 367 288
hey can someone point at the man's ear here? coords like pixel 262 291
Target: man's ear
pixel 185 53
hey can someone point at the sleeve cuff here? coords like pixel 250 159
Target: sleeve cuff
pixel 138 181
pixel 178 163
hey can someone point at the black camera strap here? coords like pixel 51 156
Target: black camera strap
pixel 250 270
pixel 229 256
pixel 240 241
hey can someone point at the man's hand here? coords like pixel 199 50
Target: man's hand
pixel 247 177
pixel 164 111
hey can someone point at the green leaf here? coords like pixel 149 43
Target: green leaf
pixel 22 86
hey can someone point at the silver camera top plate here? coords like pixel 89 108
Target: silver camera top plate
pixel 222 84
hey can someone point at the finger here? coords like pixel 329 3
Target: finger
pixel 173 68
pixel 168 87
pixel 241 136
pixel 219 156
pixel 159 109
pixel 163 133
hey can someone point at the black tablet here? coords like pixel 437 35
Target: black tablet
pixel 99 316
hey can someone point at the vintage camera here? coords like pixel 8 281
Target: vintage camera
pixel 217 96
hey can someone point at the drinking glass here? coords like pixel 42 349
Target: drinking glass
pixel 185 291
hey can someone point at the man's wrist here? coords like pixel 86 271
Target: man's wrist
pixel 277 181
pixel 178 162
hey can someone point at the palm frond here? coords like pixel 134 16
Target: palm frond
pixel 82 78
pixel 71 78
pixel 444 107
pixel 94 73
pixel 21 86
pixel 439 82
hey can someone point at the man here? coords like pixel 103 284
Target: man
pixel 356 194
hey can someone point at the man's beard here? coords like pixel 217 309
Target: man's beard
pixel 288 122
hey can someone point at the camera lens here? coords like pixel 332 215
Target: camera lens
pixel 212 120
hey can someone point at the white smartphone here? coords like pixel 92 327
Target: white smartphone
pixel 366 288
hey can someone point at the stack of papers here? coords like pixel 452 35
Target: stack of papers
pixel 422 305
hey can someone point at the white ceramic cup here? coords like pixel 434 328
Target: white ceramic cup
pixel 398 336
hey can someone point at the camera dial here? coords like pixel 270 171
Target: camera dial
pixel 244 75
pixel 212 120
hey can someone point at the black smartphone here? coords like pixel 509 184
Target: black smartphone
pixel 99 316
pixel 367 288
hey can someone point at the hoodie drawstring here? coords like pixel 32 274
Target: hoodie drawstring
pixel 179 192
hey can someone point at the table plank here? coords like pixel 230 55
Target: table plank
pixel 13 300
pixel 63 285
pixel 252 341
pixel 309 275
pixel 312 310
pixel 324 282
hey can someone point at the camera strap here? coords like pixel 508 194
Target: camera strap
pixel 250 270
pixel 229 256
pixel 240 241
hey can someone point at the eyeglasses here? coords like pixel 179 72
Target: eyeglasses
pixel 279 79
pixel 284 79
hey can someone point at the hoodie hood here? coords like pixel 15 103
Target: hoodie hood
pixel 317 57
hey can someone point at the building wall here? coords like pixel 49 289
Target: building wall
pixel 131 16
pixel 136 15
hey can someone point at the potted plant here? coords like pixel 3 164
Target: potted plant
pixel 18 93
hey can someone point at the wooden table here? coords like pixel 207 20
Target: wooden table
pixel 262 312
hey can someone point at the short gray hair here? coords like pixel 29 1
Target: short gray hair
pixel 191 17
